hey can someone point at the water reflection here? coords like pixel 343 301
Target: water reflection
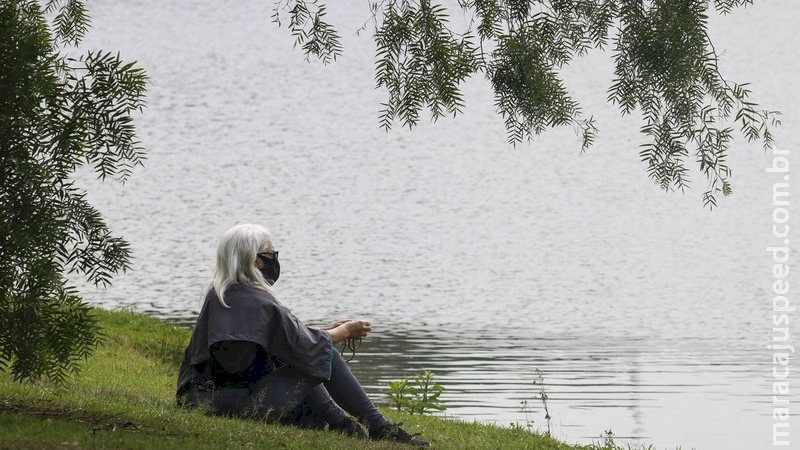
pixel 622 380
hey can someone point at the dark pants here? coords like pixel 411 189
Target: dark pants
pixel 288 396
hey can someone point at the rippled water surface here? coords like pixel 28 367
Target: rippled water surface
pixel 646 314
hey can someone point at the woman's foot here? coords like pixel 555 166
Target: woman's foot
pixel 393 432
pixel 350 427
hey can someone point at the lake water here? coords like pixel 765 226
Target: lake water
pixel 646 314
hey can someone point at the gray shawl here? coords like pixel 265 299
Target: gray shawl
pixel 254 316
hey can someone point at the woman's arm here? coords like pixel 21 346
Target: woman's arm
pixel 334 325
pixel 355 329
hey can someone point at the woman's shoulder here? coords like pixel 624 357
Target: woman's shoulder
pixel 251 294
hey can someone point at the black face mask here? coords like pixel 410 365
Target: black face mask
pixel 271 270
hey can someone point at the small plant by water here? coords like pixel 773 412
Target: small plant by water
pixel 418 397
pixel 525 409
pixel 608 439
pixel 539 380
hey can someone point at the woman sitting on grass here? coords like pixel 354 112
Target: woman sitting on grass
pixel 249 356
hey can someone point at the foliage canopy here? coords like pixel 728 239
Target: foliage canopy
pixel 666 67
pixel 56 113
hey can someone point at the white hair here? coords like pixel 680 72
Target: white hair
pixel 236 257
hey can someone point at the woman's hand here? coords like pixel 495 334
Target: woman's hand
pixel 351 329
pixel 357 328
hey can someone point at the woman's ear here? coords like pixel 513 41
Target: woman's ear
pixel 259 263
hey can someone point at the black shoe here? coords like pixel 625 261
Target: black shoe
pixel 350 427
pixel 393 432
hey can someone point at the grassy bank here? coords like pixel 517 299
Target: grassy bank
pixel 124 398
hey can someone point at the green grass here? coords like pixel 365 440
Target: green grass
pixel 124 398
